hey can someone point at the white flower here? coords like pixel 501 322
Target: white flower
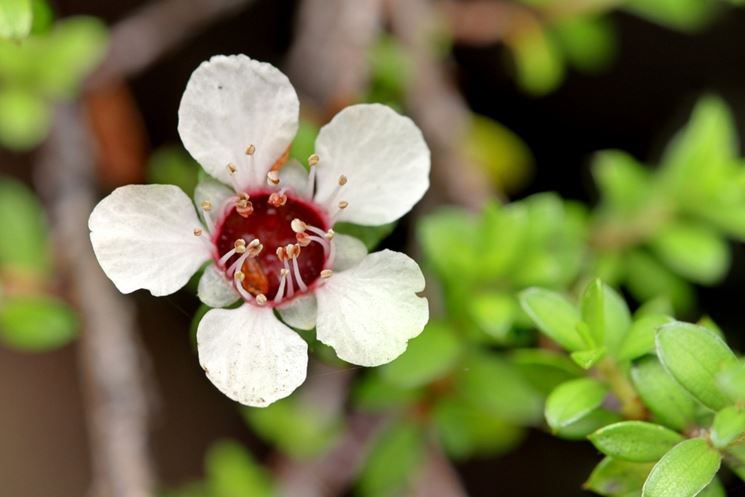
pixel 269 237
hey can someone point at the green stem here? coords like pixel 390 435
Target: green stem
pixel 631 405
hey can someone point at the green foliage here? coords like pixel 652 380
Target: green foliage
pixel 539 66
pixel 304 144
pixel 23 246
pixel 174 166
pixel 15 18
pixel 371 236
pixel 685 15
pixel 664 397
pixel 635 441
pixel 392 462
pixel 684 471
pixel 617 478
pixel 572 401
pixel 36 323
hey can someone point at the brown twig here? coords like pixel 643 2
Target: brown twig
pixel 155 30
pixel 111 362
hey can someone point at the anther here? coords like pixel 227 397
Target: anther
pixel 239 276
pixel 326 274
pixel 281 255
pixel 232 168
pixel 343 204
pixel 303 239
pixel 284 272
pixel 298 226
pixel 197 231
pixel 313 160
pixel 329 235
pixel 250 149
pixel 206 205
pixel 342 180
pixel 261 299
pixel 244 207
pixel 277 199
pixel 240 246
pixel 272 178
pixel 254 248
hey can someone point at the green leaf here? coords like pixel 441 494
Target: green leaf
pixel 694 251
pixel 615 478
pixel 606 314
pixel 295 427
pixel 588 358
pixel 554 315
pixel 544 369
pixel 668 401
pixel 173 166
pixel 449 239
pixel 635 441
pixel 647 279
pixel 589 43
pixel 713 489
pixel 429 357
pixel 36 323
pixel 304 144
pixel 641 337
pixel 496 386
pixel 580 429
pixel 494 313
pixel 373 393
pixel 687 15
pixel 732 381
pixel 392 462
pixel 232 471
pixel 467 431
pixel 728 426
pixel 15 18
pixel 24 119
pixel 538 62
pixel 24 241
pixel 624 183
pixel 390 68
pixel 694 356
pixel 684 471
pixel 573 400
pixel 371 236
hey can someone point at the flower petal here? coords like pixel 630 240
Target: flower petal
pixel 300 313
pixel 349 252
pixel 369 312
pixel 214 289
pixel 216 193
pixel 230 103
pixel 143 237
pixel 295 177
pixel 250 356
pixel 384 157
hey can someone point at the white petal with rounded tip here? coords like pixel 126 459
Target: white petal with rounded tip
pixel 143 237
pixel 369 312
pixel 217 194
pixel 300 313
pixel 384 157
pixel 349 251
pixel 230 103
pixel 250 356
pixel 214 289
pixel 294 176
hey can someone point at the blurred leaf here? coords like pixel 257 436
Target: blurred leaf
pixel 15 18
pixel 729 424
pixel 304 144
pixel 589 43
pixel 544 369
pixel 732 381
pixel 607 314
pixel 496 386
pixel 662 395
pixel 295 427
pixel 647 279
pixel 173 166
pixel 500 152
pixel 615 478
pixel 538 62
pixel 42 16
pixel 231 471
pixel 713 489
pixel 373 393
pixel 692 250
pixel 466 431
pixel 624 183
pixel 24 241
pixel 390 70
pixel 448 240
pixel 392 462
pixel 573 400
pixel 589 423
pixel 24 119
pixel 371 236
pixel 494 313
pixel 554 315
pixel 641 337
pixel 694 356
pixel 635 441
pixel 687 15
pixel 36 323
pixel 428 357
pixel 588 358
pixel 684 471
pixel 503 229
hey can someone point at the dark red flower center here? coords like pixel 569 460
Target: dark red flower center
pixel 270 223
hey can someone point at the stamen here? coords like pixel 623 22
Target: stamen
pixel 239 286
pixel 290 284
pixel 261 299
pixel 300 282
pixel 343 204
pixel 303 239
pixel 313 160
pixel 197 231
pixel 240 245
pixel 329 235
pixel 232 168
pixel 244 207
pixel 326 274
pixel 281 290
pixel 250 149
pixel 272 178
pixel 238 264
pixel 206 205
pixel 230 253
pixel 277 199
pixel 342 180
pixel 297 225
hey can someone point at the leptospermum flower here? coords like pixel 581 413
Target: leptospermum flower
pixel 266 227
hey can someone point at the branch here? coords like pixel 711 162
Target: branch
pixel 111 363
pixel 437 478
pixel 155 30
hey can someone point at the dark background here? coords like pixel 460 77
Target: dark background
pixel 636 105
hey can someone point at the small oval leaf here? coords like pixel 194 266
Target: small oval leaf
pixel 635 441
pixel 684 471
pixel 573 400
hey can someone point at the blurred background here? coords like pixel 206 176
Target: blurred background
pixel 515 98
